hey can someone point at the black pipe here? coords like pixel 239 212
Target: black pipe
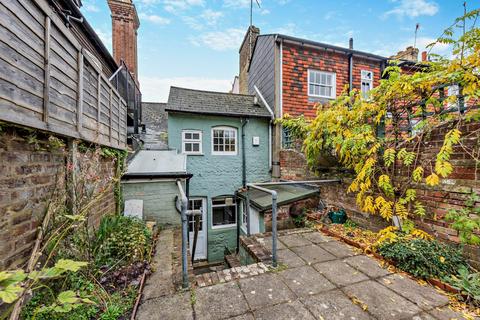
pixel 350 66
pixel 244 157
pixel 239 214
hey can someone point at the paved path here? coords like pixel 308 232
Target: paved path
pixel 320 278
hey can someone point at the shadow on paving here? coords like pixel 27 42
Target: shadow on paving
pixel 320 278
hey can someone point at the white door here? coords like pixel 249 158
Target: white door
pixel 201 247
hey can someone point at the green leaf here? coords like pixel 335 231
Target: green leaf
pixel 68 296
pixel 70 265
pixel 10 293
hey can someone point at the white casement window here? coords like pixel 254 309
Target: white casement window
pixel 224 212
pixel 321 84
pixel 192 142
pixel 366 82
pixel 224 141
pixel 453 91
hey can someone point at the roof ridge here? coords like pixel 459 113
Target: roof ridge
pixel 215 92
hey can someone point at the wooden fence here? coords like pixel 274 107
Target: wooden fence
pixel 50 82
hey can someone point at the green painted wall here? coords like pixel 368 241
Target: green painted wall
pixel 215 175
pixel 158 200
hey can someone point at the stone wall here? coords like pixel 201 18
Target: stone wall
pixel 31 172
pixel 450 194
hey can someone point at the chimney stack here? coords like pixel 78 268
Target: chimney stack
pixel 125 24
pixel 350 44
pixel 246 51
pixel 409 54
pixel 424 56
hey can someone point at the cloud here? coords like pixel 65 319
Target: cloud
pixel 173 6
pixel 91 8
pixel 154 19
pixel 423 42
pixel 211 17
pixel 156 89
pixel 106 37
pixel 220 40
pixel 237 3
pixel 264 12
pixel 413 8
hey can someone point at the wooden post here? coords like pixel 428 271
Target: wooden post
pixel 80 92
pixel 72 175
pixel 46 81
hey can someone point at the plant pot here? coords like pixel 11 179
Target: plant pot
pixel 339 217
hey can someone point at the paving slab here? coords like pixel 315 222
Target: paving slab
pixel 284 311
pixel 174 307
pixel 445 313
pixel 267 242
pixel 423 316
pixel 246 316
pixel 367 265
pixel 289 258
pixel 338 249
pixel 220 301
pixel 426 297
pixel 382 302
pixel 316 237
pixel 294 240
pixel 305 281
pixel 334 305
pixel 313 254
pixel 265 290
pixel 340 273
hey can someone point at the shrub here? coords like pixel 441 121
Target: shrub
pixel 468 284
pixel 121 240
pixel 423 258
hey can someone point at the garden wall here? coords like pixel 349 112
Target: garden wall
pixel 450 194
pixel 31 171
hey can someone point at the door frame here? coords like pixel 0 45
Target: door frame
pixel 204 226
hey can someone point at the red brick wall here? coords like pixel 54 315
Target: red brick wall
pixel 296 60
pixel 29 174
pixel 124 33
pixel 450 194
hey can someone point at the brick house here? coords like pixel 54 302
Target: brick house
pixel 293 75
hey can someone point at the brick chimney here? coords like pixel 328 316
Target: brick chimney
pixel 246 50
pixel 410 54
pixel 124 33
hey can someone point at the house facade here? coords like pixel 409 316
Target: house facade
pixel 226 140
pixel 294 75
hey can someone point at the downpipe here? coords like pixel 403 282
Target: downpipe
pixel 184 208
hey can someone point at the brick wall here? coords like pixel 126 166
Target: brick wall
pixel 124 33
pixel 450 194
pixel 245 53
pixel 296 61
pixel 31 171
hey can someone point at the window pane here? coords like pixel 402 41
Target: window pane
pixel 311 89
pixel 196 136
pixel 188 147
pixel 196 147
pixel 217 217
pixel 328 91
pixel 215 147
pixel 227 147
pixel 188 135
pixel 311 76
pixel 328 79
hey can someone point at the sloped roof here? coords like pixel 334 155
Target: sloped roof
pixel 215 103
pixel 285 194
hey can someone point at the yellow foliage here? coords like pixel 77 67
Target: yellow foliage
pixel 417 233
pixel 432 180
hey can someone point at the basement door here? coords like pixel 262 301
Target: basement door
pixel 201 248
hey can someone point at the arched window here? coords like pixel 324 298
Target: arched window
pixel 224 141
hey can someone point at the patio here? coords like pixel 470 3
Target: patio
pixel 318 278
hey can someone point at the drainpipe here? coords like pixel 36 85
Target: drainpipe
pixel 244 156
pixel 350 66
pixel 272 122
pixel 184 233
pixel 274 219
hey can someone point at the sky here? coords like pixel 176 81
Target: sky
pixel 195 43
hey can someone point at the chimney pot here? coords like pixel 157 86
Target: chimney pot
pixel 350 44
pixel 424 56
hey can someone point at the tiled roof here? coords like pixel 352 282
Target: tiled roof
pixel 215 103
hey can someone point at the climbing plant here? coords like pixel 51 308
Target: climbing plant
pixel 365 133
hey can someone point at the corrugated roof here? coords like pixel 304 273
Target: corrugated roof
pixel 215 103
pixel 157 163
pixel 285 194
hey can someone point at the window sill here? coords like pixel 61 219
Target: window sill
pixel 226 226
pixel 193 154
pixel 224 154
pixel 321 97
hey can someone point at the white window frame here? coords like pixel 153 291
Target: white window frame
pixel 225 153
pixel 365 79
pixel 223 226
pixel 199 141
pixel 243 211
pixel 333 85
